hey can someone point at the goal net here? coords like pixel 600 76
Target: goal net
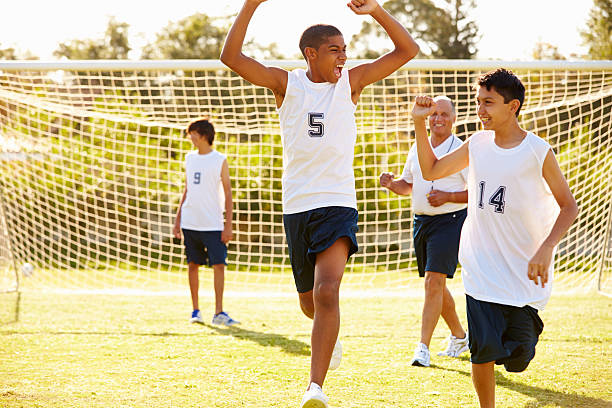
pixel 91 169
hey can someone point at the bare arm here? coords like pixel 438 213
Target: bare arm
pixel 227 233
pixel 438 197
pixel 539 264
pixel 433 168
pixel 405 48
pixel 176 231
pixel 253 71
pixel 401 186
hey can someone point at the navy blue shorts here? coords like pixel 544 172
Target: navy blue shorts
pixel 311 232
pixel 205 247
pixel 436 241
pixel 505 334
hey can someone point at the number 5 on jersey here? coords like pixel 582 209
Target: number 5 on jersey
pixel 315 124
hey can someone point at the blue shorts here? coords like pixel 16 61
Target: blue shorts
pixel 311 232
pixel 204 247
pixel 505 334
pixel 436 241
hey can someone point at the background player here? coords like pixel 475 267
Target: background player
pixel 439 211
pixel 200 216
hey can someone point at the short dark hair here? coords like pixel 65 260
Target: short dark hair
pixel 506 84
pixel 203 128
pixel 316 35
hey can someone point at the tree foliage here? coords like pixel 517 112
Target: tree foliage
pixel 114 44
pixel 598 35
pixel 7 53
pixel 443 32
pixel 11 53
pixel 546 51
pixel 195 37
pixel 201 37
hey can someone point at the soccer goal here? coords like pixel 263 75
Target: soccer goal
pixel 91 169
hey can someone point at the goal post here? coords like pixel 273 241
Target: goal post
pixel 91 168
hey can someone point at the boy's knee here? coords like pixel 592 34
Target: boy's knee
pixel 327 293
pixel 520 359
pixel 307 304
pixel 434 282
pixel 516 366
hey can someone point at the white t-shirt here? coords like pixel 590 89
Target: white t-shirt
pixel 318 130
pixel 203 207
pixel 511 211
pixel 421 187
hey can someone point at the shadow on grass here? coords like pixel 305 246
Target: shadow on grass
pixel 264 339
pixel 542 396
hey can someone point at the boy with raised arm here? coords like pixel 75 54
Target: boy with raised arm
pixel 519 208
pixel 317 119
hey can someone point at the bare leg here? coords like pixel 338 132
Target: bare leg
pixel 449 314
pixel 219 282
pixel 483 377
pixel 435 283
pixel 194 284
pixel 329 269
pixel 307 304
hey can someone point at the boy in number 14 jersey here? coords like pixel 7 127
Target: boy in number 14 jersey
pixel 519 208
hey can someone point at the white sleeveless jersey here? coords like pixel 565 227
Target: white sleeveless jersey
pixel 421 187
pixel 203 207
pixel 511 211
pixel 318 132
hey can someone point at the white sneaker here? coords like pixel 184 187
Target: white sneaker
pixel 336 356
pixel 314 397
pixel 223 319
pixel 455 346
pixel 196 317
pixel 421 356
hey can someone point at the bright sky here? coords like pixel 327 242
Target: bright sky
pixel 509 29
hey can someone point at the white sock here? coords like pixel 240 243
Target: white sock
pixel 314 385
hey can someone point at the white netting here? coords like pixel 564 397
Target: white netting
pixel 92 167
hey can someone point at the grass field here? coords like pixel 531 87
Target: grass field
pixel 75 350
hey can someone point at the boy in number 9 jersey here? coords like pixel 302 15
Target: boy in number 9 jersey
pixel 200 216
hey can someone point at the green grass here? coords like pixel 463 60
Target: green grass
pixel 74 350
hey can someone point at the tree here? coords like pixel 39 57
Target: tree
pixel 200 37
pixel 263 52
pixel 8 54
pixel 114 44
pixel 598 35
pixel 546 51
pixel 446 31
pixel 194 37
pixel 11 53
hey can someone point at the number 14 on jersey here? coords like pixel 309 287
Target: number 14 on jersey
pixel 497 200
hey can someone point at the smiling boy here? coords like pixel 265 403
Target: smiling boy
pixel 317 119
pixel 519 208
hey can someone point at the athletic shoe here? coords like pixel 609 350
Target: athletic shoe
pixel 421 356
pixel 455 346
pixel 196 317
pixel 314 397
pixel 223 319
pixel 336 356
